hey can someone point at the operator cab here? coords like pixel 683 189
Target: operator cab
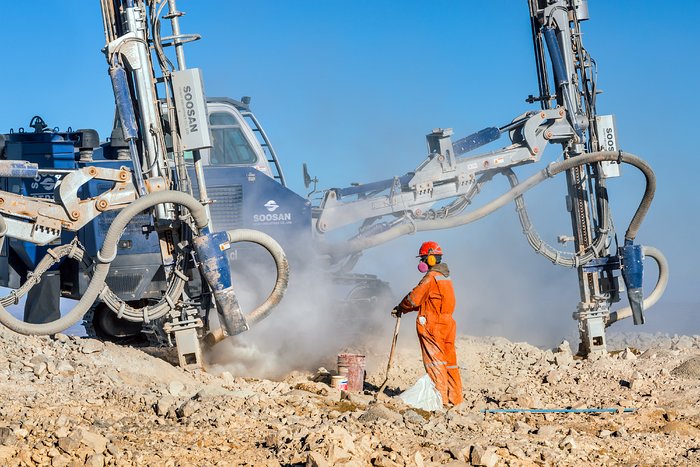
pixel 238 140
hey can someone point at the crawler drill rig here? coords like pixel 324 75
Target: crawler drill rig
pixel 567 118
pixel 162 117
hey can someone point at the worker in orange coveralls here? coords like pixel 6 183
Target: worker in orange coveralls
pixel 434 298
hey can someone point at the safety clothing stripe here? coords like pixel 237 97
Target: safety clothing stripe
pixel 452 367
pixel 411 301
pixel 436 363
pixel 442 278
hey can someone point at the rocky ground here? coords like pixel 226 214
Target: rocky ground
pixel 77 401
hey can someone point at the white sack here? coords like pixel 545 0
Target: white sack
pixel 422 395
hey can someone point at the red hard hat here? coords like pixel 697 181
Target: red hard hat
pixel 429 248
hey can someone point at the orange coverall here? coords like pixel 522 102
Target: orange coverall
pixel 434 298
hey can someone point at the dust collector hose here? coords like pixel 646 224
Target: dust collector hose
pixel 3 229
pixel 555 168
pixel 655 294
pixel 109 251
pixel 274 248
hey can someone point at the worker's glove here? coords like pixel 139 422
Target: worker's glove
pixel 396 312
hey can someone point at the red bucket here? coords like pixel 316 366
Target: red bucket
pixel 352 366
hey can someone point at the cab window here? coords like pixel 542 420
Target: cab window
pixel 229 144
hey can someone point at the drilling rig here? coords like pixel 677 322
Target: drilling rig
pixel 416 201
pixel 135 204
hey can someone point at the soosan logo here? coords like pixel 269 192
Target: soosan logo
pixel 272 217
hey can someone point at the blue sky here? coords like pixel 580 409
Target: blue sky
pixel 352 88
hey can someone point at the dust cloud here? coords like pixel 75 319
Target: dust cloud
pixel 311 325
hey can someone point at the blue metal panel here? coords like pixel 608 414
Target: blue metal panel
pixel 47 150
pixel 253 200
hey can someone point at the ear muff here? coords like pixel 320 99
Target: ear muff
pixel 431 261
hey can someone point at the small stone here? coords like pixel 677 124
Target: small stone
pixel 528 401
pixel 484 457
pixel 627 354
pixel 95 460
pixel 69 444
pixel 39 458
pixel 412 417
pixel 515 450
pixel 547 431
pixel 89 346
pixel 315 459
pixel 61 337
pixel 164 404
pixel 112 449
pixel 568 443
pixel 175 388
pixel 521 427
pixel 64 368
pixel 39 369
pixel 380 412
pixel 553 377
pixel 189 408
pixel 460 452
pixel 340 436
pixel 605 434
pixel 563 359
pixel 60 461
pixel 94 441
pixel 418 458
pixel 228 378
pixel 338 455
pixel 564 347
pixel 7 437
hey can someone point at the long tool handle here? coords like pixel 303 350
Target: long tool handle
pixel 391 355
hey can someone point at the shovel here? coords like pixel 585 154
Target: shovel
pixel 391 357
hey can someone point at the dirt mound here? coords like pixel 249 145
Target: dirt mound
pixel 72 401
pixel 688 369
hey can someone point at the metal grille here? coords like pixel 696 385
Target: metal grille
pixel 227 210
pixel 124 283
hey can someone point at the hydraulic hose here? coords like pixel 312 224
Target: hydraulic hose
pixel 274 248
pixel 555 168
pixel 53 256
pixel 104 258
pixel 655 294
pixel 560 258
pixel 146 314
pixel 3 231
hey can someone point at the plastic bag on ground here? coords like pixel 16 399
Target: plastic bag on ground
pixel 422 395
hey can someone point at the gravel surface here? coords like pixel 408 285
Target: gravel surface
pixel 76 401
